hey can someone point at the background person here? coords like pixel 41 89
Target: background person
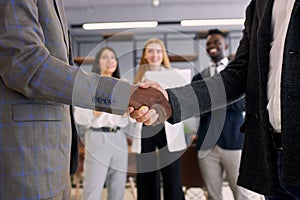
pixel 220 144
pixel 266 69
pixel 106 153
pixel 155 58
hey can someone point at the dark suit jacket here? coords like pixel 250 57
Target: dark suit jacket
pixel 248 74
pixel 37 84
pixel 223 128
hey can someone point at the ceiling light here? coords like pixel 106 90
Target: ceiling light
pixel 212 22
pixel 120 25
pixel 155 3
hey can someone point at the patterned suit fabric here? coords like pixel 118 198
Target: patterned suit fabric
pixel 37 84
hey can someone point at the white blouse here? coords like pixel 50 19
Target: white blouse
pixel 86 118
pixel 174 134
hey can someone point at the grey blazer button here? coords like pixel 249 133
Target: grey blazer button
pixel 107 101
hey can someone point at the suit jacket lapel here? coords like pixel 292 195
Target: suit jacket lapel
pixel 295 9
pixel 74 145
pixel 62 18
pixel 264 38
pixel 261 7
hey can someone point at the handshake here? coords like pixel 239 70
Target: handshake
pixel 149 104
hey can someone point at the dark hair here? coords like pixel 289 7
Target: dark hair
pixel 216 31
pixel 96 68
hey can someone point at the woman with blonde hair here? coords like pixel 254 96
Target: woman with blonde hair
pixel 153 141
pixel 149 65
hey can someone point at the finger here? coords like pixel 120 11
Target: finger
pixel 153 121
pixel 130 109
pixel 157 122
pixel 148 116
pixel 149 83
pixel 139 113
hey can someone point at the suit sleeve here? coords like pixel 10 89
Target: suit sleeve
pixel 217 91
pixel 28 67
pixel 238 106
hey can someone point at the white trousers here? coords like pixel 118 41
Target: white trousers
pixel 106 157
pixel 212 169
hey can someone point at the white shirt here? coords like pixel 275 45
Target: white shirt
pixel 281 14
pixel 86 118
pixel 220 66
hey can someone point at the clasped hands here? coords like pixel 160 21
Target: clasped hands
pixel 149 103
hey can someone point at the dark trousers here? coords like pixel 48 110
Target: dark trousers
pixel 151 162
pixel 284 192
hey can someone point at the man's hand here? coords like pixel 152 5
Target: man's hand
pixel 148 104
pixel 144 115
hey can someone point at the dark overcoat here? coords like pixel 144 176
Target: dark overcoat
pixel 248 74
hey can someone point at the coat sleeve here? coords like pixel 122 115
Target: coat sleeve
pixel 29 68
pixel 217 91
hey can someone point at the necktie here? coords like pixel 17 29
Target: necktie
pixel 213 69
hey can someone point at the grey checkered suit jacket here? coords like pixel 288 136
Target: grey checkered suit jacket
pixel 35 132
